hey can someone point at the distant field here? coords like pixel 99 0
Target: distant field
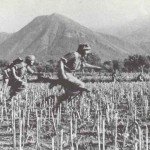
pixel 113 116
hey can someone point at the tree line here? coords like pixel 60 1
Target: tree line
pixel 134 63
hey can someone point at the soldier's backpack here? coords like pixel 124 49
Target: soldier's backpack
pixel 8 69
pixel 16 61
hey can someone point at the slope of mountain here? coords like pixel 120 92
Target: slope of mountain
pixel 50 37
pixel 4 36
pixel 134 35
pixel 126 28
pixel 123 45
pixel 141 35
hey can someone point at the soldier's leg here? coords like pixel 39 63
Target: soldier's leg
pixel 12 93
pixel 73 83
pixel 68 95
pixel 14 90
pixel 5 84
pixel 73 87
pixel 59 100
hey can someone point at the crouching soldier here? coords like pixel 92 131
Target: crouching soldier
pixel 68 64
pixel 18 76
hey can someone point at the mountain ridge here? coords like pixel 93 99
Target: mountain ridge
pixel 51 36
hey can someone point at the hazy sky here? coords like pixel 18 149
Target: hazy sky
pixel 14 14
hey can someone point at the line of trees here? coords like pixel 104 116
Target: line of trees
pixel 134 63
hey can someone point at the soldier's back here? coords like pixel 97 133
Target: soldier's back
pixel 20 69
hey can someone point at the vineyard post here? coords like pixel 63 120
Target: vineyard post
pixel 99 130
pixel 103 133
pixel 23 126
pixel 13 123
pixel 37 130
pixel 147 137
pixel 140 137
pixel 53 143
pixel 116 131
pixel 20 139
pixel 57 127
pixel 61 143
pixel 53 121
pixel 76 126
pixel 49 112
pixel 5 108
pixel 71 130
pixel 20 123
pixel 2 118
pixel 126 131
pixel 60 113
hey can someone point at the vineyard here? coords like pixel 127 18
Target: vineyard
pixel 113 116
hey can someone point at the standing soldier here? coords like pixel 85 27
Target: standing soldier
pixel 68 64
pixel 18 76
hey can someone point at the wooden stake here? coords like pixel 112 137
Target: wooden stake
pixel 37 131
pixel 61 140
pixel 53 144
pixel 116 131
pixel 13 124
pixel 98 132
pixel 147 138
pixel 103 133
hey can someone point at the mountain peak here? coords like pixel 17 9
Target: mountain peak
pixel 52 16
pixel 62 18
pixel 57 15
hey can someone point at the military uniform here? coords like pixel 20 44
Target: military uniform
pixel 72 62
pixel 18 83
pixel 68 64
pixel 7 71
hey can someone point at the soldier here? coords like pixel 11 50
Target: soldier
pixel 68 64
pixel 7 71
pixel 17 76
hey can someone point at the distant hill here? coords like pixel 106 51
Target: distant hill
pixel 136 33
pixel 50 37
pixel 141 35
pixel 122 45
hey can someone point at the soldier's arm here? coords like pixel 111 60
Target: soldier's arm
pixel 86 65
pixel 62 70
pixel 31 71
pixel 6 71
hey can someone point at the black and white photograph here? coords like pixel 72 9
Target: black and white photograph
pixel 74 75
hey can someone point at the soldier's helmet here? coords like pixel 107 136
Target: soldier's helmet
pixel 30 58
pixel 84 47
